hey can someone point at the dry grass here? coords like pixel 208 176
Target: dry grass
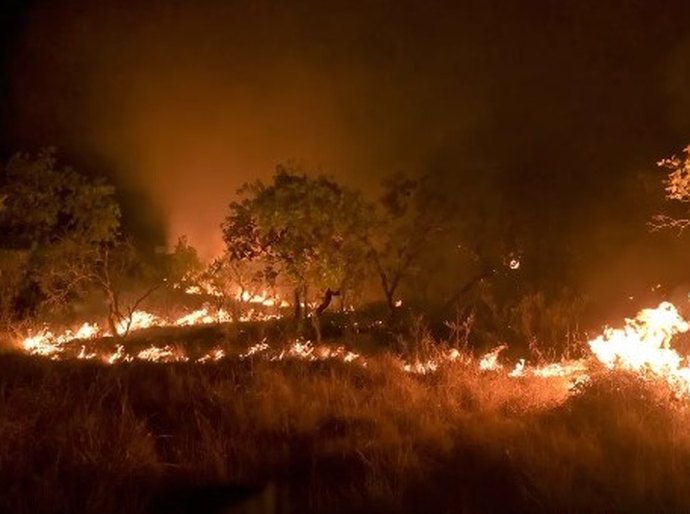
pixel 82 437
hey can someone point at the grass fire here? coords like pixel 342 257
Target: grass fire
pixel 308 257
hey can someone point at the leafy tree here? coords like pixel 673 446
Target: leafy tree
pixel 403 228
pixel 228 281
pixel 184 264
pixel 66 229
pixel 421 236
pixel 306 233
pixel 52 218
pixel 440 239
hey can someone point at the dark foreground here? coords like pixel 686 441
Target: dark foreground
pixel 262 437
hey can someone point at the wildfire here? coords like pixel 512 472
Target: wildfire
pixel 642 345
pixel 490 360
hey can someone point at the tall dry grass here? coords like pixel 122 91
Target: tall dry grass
pixel 331 437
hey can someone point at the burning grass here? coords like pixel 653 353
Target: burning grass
pixel 105 425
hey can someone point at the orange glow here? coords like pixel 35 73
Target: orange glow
pixel 642 345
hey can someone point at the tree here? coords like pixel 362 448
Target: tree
pixel 184 265
pixel 52 218
pixel 117 270
pixel 677 188
pixel 438 237
pixel 400 233
pixel 307 233
pixel 418 225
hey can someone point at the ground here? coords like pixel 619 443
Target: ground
pixel 328 436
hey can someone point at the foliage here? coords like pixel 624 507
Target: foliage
pixel 301 232
pixel 46 203
pixel 406 222
pixel 117 270
pixel 54 217
pixel 184 264
pixel 436 239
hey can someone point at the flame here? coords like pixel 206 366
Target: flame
pixel 120 355
pixel 139 320
pixel 262 298
pixel 212 356
pixel 489 362
pixel 165 354
pixel 208 289
pixel 519 369
pixel 47 344
pixel 200 317
pixel 641 345
pixel 644 345
pixel 576 369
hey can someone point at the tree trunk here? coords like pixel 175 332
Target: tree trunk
pixel 315 315
pixel 390 302
pixel 114 315
pixel 297 305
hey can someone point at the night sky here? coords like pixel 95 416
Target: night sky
pixel 562 107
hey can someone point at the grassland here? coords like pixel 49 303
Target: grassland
pixel 327 436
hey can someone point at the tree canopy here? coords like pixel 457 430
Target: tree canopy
pixel 308 233
pixel 53 217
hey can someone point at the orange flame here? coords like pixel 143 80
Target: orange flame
pixel 642 345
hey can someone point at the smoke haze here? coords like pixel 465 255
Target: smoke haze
pixel 565 106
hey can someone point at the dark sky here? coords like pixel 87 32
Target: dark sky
pixel 565 105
